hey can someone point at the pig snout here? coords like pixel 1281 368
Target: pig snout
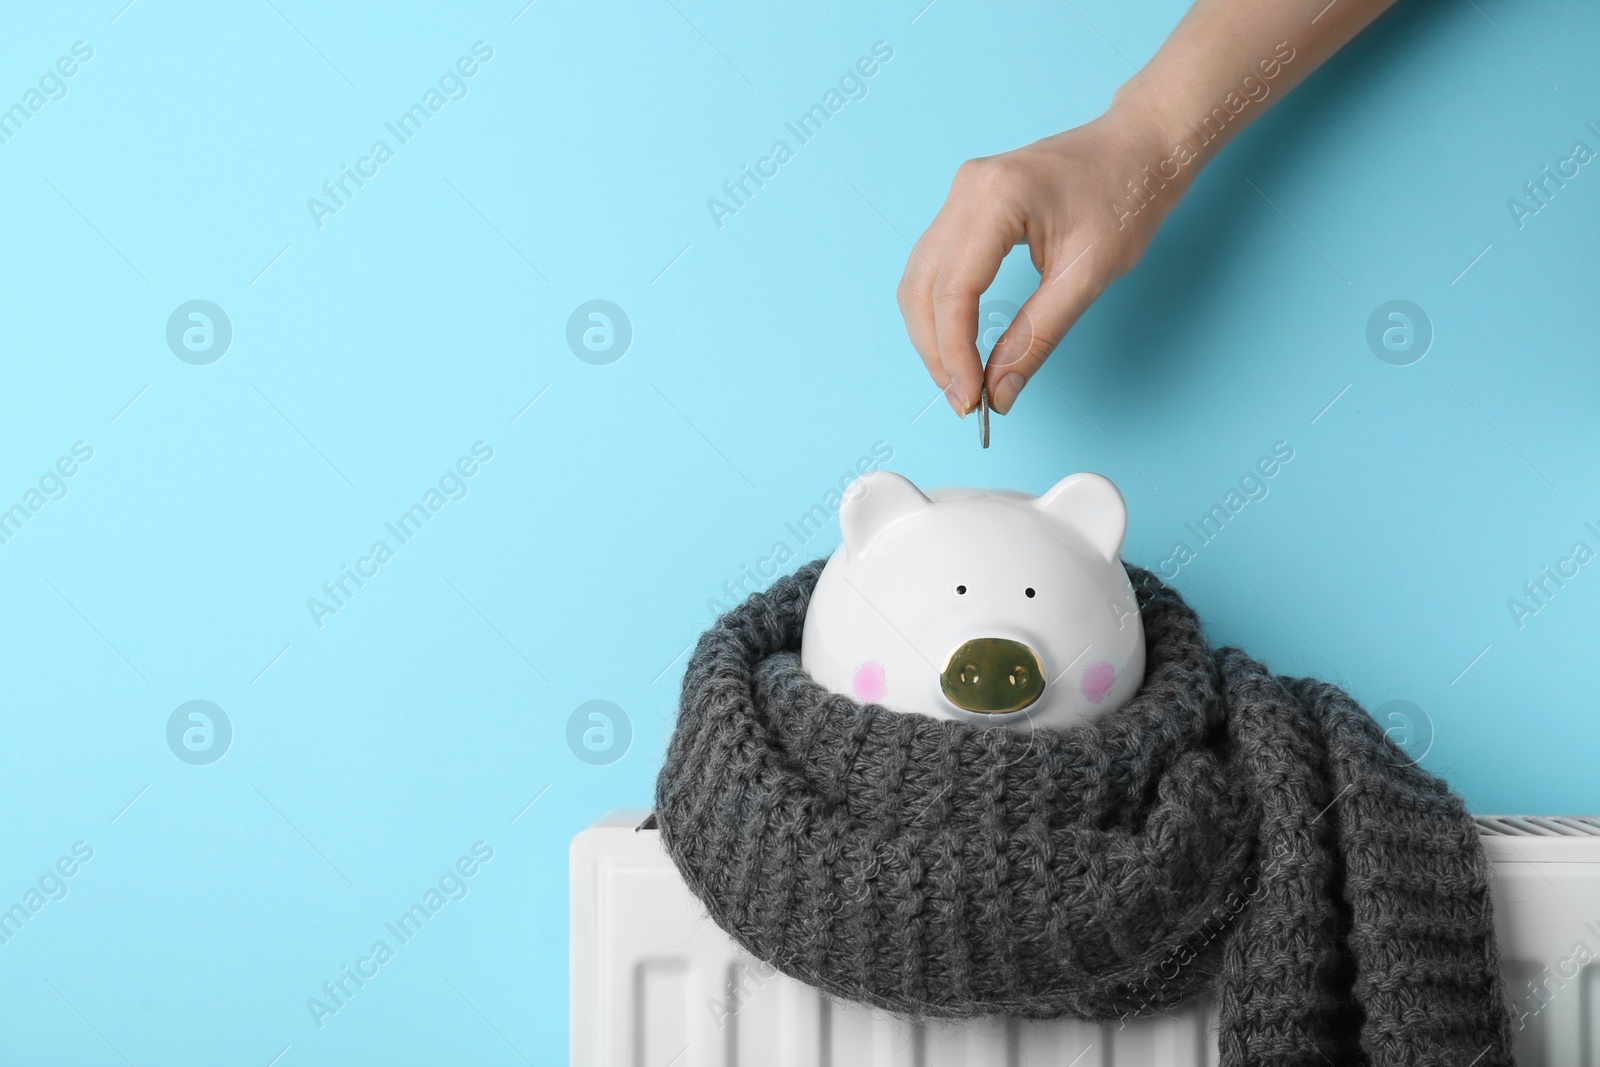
pixel 992 675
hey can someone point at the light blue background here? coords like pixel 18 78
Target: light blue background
pixel 369 354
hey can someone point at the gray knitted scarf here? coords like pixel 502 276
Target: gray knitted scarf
pixel 1228 830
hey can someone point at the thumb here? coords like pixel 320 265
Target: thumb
pixel 1039 325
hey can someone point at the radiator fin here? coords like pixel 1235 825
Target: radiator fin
pixel 660 1011
pixel 1538 826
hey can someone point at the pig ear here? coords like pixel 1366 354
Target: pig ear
pixel 873 503
pixel 1090 506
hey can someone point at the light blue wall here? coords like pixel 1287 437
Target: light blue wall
pixel 371 752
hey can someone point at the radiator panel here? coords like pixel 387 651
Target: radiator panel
pixel 655 983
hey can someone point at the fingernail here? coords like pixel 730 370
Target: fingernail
pixel 1005 393
pixel 955 402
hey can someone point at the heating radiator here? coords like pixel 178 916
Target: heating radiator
pixel 655 983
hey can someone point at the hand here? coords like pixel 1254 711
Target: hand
pixel 1068 199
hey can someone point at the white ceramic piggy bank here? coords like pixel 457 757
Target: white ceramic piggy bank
pixel 989 606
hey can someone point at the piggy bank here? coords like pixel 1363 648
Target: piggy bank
pixel 988 606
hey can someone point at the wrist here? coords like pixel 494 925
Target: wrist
pixel 1136 102
pixel 1160 130
pixel 1161 163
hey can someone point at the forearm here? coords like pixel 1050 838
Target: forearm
pixel 1223 66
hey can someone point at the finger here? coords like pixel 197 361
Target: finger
pixel 915 297
pixel 1039 325
pixel 960 285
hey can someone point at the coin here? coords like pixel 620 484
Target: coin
pixel 983 415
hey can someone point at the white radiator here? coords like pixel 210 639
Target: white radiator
pixel 655 983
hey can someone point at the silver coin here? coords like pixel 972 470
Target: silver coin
pixel 983 415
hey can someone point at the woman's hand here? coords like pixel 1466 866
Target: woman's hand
pixel 1070 198
pixel 1087 202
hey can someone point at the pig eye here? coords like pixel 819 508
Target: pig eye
pixel 961 590
pixel 1029 591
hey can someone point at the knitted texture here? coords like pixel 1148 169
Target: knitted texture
pixel 1229 831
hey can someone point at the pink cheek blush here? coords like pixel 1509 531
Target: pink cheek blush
pixel 1098 678
pixel 870 684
